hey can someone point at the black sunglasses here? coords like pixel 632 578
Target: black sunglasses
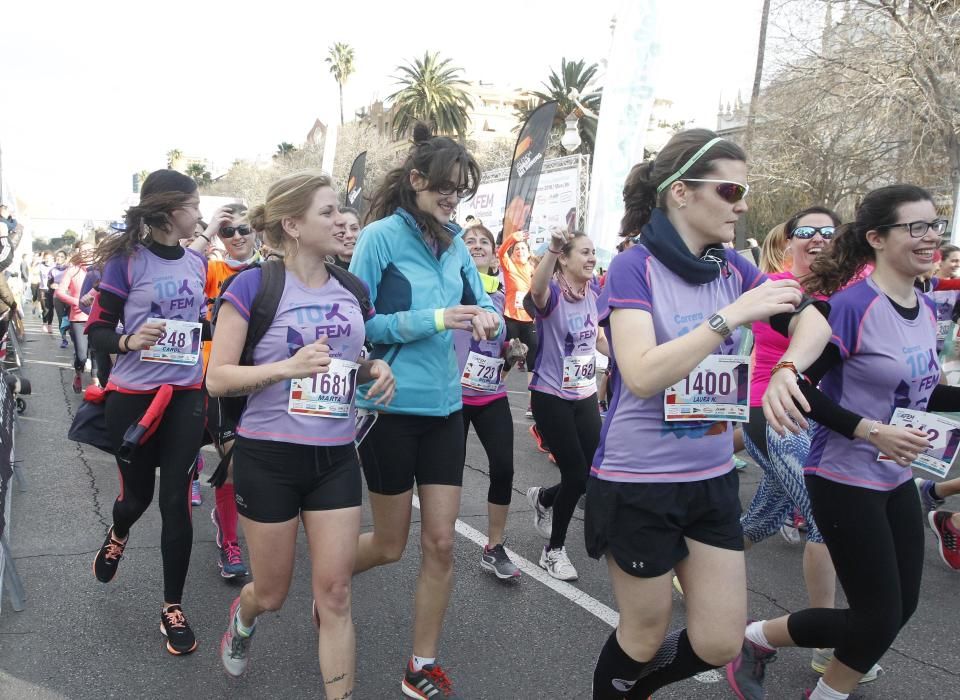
pixel 229 231
pixel 807 232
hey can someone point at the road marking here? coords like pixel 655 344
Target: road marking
pixel 571 593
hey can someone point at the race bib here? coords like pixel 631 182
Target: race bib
pixel 482 373
pixel 718 389
pixel 325 395
pixel 518 301
pixel 943 330
pixel 579 371
pixel 944 436
pixel 179 344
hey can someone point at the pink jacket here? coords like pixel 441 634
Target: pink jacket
pixel 69 291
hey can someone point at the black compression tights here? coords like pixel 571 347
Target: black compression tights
pixel 494 426
pixel 172 449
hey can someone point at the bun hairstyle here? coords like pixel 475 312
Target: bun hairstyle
pixel 162 193
pixel 640 195
pixel 288 197
pixel 438 159
pixel 850 251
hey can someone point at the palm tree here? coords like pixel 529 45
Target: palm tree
pixel 174 155
pixel 432 92
pixel 284 149
pixel 199 172
pixel 574 75
pixel 340 59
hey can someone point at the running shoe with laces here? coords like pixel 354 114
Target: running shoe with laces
pixel 496 560
pixel 822 657
pixel 77 384
pixel 928 498
pixel 542 516
pixel 230 561
pixel 947 537
pixel 557 564
pixel 745 674
pixel 793 527
pixel 108 558
pixel 739 464
pixel 196 498
pixel 234 647
pixel 430 683
pixel 174 626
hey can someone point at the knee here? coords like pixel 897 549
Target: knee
pixel 719 648
pixel 333 596
pixel 437 548
pixel 388 549
pixel 271 601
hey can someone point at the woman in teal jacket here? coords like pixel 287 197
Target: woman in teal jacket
pixel 423 284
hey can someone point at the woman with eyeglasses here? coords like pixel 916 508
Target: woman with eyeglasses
pixel 663 495
pixel 881 356
pixel 230 225
pixel 424 285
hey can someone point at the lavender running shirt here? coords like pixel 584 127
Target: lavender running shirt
pixel 944 302
pixel 304 315
pixel 563 329
pixel 153 287
pixel 636 444
pixel 888 362
pixel 464 344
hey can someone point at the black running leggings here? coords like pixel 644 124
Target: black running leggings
pixel 46 306
pixel 526 331
pixel 173 449
pixel 876 542
pixel 572 429
pixel 494 425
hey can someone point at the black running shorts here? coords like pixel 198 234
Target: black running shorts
pixel 401 449
pixel 276 481
pixel 643 525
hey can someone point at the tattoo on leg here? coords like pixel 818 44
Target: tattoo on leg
pixel 337 679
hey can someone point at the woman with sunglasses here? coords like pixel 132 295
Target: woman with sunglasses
pixel 663 495
pixel 155 287
pixel 782 493
pixel 425 285
pixel 881 356
pixel 230 225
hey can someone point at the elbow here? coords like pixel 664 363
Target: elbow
pixel 214 386
pixel 638 387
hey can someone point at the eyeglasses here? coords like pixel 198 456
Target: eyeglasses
pixel 918 229
pixel 229 231
pixel 731 192
pixel 448 188
pixel 806 232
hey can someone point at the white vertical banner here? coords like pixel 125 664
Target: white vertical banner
pixel 628 93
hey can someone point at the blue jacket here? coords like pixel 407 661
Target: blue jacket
pixel 407 285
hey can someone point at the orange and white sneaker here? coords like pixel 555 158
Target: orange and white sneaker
pixel 174 626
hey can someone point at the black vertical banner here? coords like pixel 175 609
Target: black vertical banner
pixel 354 195
pixel 526 167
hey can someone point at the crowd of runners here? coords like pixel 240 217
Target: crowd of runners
pixel 323 356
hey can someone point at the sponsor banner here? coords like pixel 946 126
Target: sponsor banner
pixel 353 197
pixel 526 167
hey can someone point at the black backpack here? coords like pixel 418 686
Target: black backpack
pixel 262 312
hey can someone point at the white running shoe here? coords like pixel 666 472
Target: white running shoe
pixel 557 564
pixel 542 517
pixel 791 534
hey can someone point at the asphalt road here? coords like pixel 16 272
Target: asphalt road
pixel 78 638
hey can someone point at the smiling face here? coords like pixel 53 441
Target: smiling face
pixel 699 210
pixel 429 198
pixel 897 249
pixel 578 265
pixel 240 246
pixel 321 228
pixel 481 249
pixel 950 265
pixel 521 253
pixel 350 235
pixel 804 251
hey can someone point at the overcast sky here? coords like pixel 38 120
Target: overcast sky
pixel 93 92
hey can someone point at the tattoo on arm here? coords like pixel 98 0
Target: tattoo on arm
pixel 250 388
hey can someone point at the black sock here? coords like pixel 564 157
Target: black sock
pixel 674 661
pixel 615 672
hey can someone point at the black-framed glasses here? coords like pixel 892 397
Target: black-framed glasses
pixel 918 229
pixel 729 191
pixel 229 231
pixel 448 188
pixel 807 232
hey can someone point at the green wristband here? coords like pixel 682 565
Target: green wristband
pixel 438 320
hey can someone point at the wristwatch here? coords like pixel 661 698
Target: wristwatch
pixel 719 325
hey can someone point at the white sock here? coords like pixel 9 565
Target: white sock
pixel 420 661
pixel 755 634
pixel 242 629
pixel 825 692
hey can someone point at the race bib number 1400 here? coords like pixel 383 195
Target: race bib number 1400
pixel 718 389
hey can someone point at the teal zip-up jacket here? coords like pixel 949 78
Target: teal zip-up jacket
pixel 407 285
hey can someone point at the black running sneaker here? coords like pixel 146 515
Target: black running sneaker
pixel 108 558
pixel 174 626
pixel 431 683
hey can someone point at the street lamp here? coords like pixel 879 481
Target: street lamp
pixel 571 135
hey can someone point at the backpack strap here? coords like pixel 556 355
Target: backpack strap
pixel 264 307
pixel 354 285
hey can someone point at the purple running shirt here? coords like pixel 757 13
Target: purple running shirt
pixel 153 287
pixel 888 362
pixel 304 315
pixel 636 444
